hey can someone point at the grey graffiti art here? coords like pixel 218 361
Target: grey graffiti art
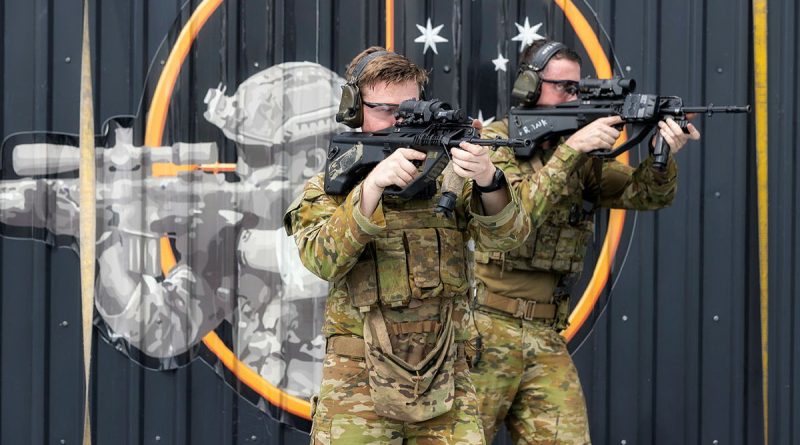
pixel 232 260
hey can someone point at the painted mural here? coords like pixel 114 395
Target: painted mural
pixel 235 263
pixel 190 248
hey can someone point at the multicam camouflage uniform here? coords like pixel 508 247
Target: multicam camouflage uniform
pixel 526 376
pixel 409 265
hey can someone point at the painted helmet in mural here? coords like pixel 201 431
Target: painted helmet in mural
pixel 283 104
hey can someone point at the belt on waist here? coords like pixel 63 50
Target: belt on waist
pixel 518 307
pixel 355 347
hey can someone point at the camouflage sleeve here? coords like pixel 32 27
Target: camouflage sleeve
pixel 623 187
pixel 501 232
pixel 538 192
pixel 330 233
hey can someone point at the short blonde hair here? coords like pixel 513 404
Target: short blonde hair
pixel 390 68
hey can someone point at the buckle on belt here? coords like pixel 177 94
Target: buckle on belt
pixel 525 309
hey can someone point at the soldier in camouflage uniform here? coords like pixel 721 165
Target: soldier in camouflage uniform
pixel 397 315
pixel 525 375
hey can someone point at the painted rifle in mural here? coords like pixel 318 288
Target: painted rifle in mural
pixel 234 261
pixel 600 98
pixel 47 196
pixel 162 316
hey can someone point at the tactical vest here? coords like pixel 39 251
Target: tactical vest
pixel 559 243
pixel 419 257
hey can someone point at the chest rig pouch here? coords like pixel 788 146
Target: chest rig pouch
pixel 420 258
pixel 410 391
pixel 559 243
pixel 421 255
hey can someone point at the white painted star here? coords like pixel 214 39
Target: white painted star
pixel 430 37
pixel 527 34
pixel 484 122
pixel 500 62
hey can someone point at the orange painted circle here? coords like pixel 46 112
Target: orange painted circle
pixel 156 119
pixel 616 221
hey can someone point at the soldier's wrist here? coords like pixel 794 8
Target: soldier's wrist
pixel 486 179
pixel 371 186
pixel 497 182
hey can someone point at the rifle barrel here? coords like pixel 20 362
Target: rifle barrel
pixel 496 142
pixel 723 109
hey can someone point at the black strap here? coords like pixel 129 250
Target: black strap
pixel 545 53
pixel 363 64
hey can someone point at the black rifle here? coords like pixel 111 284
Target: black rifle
pixel 430 126
pixel 607 97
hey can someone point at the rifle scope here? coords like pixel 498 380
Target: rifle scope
pixel 615 87
pixel 416 112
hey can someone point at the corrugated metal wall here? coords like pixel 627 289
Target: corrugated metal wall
pixel 674 353
pixel 784 243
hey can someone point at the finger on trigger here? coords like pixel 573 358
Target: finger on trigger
pixel 408 167
pixel 469 147
pixel 611 131
pixel 411 154
pixel 456 153
pixel 674 125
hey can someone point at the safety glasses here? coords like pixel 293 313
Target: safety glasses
pixel 386 108
pixel 569 87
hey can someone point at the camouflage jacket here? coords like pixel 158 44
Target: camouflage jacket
pixel 332 235
pixel 558 189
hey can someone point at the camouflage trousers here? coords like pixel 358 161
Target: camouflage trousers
pixel 344 412
pixel 526 378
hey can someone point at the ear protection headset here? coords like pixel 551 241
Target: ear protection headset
pixel 350 111
pixel 528 85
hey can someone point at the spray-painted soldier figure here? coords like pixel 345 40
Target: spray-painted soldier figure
pixel 397 316
pixel 525 376
pixel 234 261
